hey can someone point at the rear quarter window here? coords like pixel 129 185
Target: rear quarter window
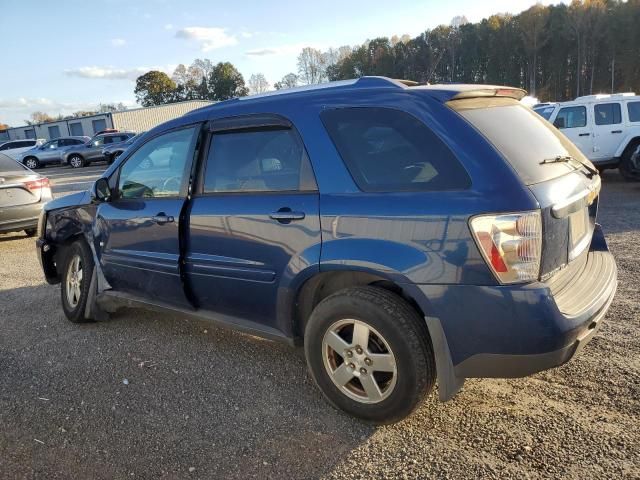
pixel 633 108
pixel 387 150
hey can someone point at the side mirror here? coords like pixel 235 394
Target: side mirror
pixel 101 192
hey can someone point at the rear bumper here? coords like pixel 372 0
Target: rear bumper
pixel 514 331
pixel 20 217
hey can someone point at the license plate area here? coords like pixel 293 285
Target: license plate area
pixel 579 232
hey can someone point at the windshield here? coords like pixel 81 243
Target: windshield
pixel 521 136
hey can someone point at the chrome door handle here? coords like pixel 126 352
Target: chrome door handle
pixel 161 219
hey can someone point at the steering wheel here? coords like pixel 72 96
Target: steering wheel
pixel 168 182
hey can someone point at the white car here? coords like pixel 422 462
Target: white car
pixel 13 148
pixel 606 128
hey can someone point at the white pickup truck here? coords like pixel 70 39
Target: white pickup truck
pixel 606 128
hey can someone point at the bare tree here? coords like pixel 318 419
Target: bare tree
pixel 258 83
pixel 311 66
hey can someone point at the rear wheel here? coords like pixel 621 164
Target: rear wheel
pixel 76 161
pixel 629 166
pixel 76 279
pixel 31 162
pixel 370 354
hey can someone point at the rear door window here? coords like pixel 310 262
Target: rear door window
pixel 571 117
pixel 607 113
pixel 388 150
pixel 270 160
pixel 633 108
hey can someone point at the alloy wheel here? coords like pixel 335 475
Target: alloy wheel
pixel 359 361
pixel 31 163
pixel 75 161
pixel 74 281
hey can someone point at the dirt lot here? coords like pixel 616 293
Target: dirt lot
pixel 154 396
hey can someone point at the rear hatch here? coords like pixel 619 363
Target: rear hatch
pixel 561 178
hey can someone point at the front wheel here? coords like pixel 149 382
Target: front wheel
pixel 76 280
pixel 370 354
pixel 76 161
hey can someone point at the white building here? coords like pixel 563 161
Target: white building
pixel 137 120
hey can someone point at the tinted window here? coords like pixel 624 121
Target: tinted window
pixel 634 111
pixel 607 113
pixel 521 136
pixel 257 161
pixel 390 150
pixel 157 168
pixel 52 144
pixel 8 164
pixel 571 117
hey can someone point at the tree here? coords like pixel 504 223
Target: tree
pixel 258 83
pixel 226 82
pixel 532 29
pixel 290 80
pixel 311 66
pixel 39 117
pixel 111 107
pixel 154 88
pixel 3 127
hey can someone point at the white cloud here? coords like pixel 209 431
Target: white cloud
pixel 209 38
pixel 118 42
pixel 113 73
pixel 168 26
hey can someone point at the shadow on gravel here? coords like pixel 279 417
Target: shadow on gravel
pixel 8 237
pixel 153 395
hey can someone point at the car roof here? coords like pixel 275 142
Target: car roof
pixel 358 87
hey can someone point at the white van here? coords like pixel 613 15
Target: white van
pixel 605 127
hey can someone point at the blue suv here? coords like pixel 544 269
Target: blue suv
pixel 401 233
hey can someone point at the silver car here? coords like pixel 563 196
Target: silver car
pixel 91 151
pixel 51 151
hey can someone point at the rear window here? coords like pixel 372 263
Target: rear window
pixel 388 150
pixel 8 164
pixel 607 114
pixel 521 136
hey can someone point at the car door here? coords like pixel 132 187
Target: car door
pixel 254 221
pixel 140 226
pixel 574 123
pixel 50 151
pixel 608 130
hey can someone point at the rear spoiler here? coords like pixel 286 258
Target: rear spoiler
pixel 508 92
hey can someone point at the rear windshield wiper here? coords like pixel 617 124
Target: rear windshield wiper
pixel 570 159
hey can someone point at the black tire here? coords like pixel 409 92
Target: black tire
pixel 76 313
pixel 629 166
pixel 31 162
pixel 76 161
pixel 30 231
pixel 406 334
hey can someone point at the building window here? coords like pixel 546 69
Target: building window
pixel 29 133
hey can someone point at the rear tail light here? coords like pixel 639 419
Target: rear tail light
pixel 511 244
pixel 37 184
pixel 40 186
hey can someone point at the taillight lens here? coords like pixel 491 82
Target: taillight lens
pixel 37 184
pixel 511 244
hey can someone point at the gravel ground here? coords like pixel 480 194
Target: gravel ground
pixel 154 396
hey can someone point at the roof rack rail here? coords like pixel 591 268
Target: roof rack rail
pixel 362 82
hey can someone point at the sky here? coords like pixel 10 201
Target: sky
pixel 82 53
